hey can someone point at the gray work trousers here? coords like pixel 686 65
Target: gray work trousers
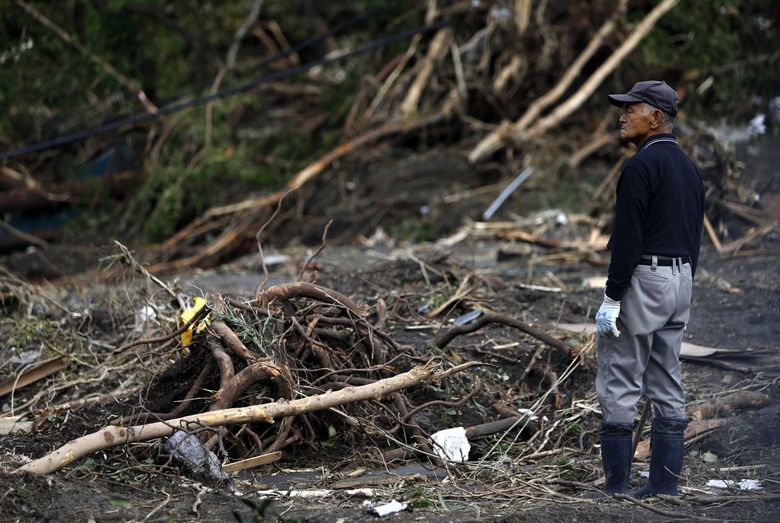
pixel 645 359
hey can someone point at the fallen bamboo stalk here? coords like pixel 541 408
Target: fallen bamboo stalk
pixel 752 234
pixel 572 72
pixel 255 461
pixel 712 234
pixel 750 214
pixel 597 143
pixel 112 436
pixel 436 51
pixel 523 423
pixel 320 165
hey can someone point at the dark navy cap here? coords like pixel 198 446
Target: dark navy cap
pixel 656 93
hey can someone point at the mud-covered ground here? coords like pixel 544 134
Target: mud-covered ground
pixel 736 305
pixel 507 478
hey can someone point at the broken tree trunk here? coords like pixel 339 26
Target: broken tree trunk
pixel 438 48
pixel 236 234
pixel 522 128
pixel 112 436
pixel 577 99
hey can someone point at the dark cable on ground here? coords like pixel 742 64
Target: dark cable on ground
pixel 141 117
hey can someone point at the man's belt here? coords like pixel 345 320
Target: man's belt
pixel 665 261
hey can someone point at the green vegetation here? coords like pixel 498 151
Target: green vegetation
pixel 172 196
pixel 717 39
pixel 716 51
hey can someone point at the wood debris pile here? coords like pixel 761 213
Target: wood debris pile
pixel 437 90
pixel 292 341
pixel 299 364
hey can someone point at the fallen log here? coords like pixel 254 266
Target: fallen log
pixel 743 399
pixel 522 423
pixel 112 436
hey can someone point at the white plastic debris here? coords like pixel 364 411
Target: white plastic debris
pixel 508 190
pixel 143 317
pixel 452 444
pixel 532 415
pixel 385 509
pixel 757 125
pixel 23 358
pixel 720 483
pixel 750 484
pixel 276 259
pixel 745 484
pixel 315 493
pixel 595 282
pixel 528 412
pixel 467 318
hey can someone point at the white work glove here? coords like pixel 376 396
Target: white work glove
pixel 606 317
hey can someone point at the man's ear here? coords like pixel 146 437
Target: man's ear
pixel 656 119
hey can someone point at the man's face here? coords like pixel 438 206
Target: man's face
pixel 636 124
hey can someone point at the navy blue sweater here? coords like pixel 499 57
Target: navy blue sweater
pixel 659 210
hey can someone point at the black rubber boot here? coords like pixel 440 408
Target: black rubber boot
pixel 616 457
pixel 666 456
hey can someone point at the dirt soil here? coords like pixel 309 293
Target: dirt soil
pixel 736 306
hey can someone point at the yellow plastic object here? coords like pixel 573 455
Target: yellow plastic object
pixel 198 304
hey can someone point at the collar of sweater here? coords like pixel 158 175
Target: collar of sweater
pixel 660 137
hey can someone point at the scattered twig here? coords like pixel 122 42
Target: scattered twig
pixel 443 339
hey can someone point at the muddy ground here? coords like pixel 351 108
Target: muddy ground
pixel 507 478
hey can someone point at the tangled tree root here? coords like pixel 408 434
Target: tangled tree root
pixel 293 341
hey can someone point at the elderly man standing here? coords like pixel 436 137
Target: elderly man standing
pixel 655 246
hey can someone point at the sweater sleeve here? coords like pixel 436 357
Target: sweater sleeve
pixel 633 195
